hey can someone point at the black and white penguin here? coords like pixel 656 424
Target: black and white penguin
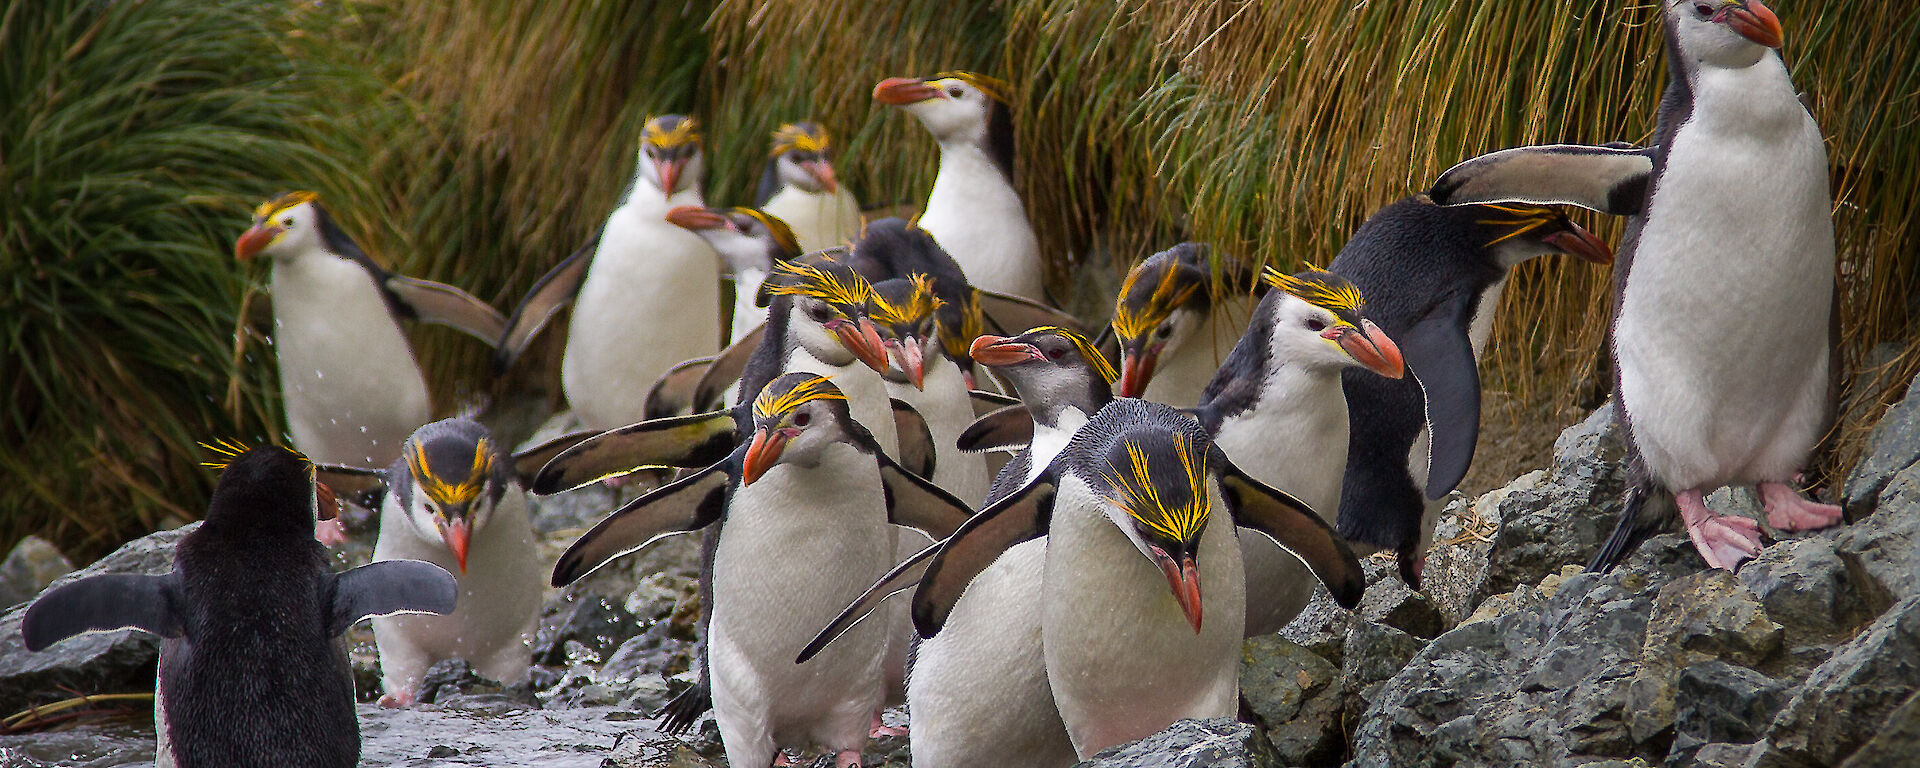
pixel 645 293
pixel 1176 321
pixel 799 187
pixel 1131 640
pixel 1733 194
pixel 454 499
pixel 1277 409
pixel 252 667
pixel 350 384
pixel 801 516
pixel 1432 277
pixel 750 241
pixel 974 209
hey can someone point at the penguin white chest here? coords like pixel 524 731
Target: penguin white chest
pixel 498 604
pixel 948 410
pixel 1722 338
pixel 353 390
pixel 976 216
pixel 650 300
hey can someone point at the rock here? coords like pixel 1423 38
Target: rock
pixel 1297 697
pixel 1561 518
pixel 1843 702
pixel 1463 541
pixel 1373 653
pixel 1217 743
pixel 1390 602
pixel 1720 702
pixel 1707 616
pixel 29 568
pixel 638 668
pixel 1804 585
pixel 1895 446
pixel 1322 626
pixel 1882 552
pixel 1895 743
pixel 1722 756
pixel 651 749
pixel 583 628
pixel 103 662
pixel 451 680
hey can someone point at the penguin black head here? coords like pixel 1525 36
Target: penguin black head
pixel 1052 368
pixel 1163 300
pixel 802 159
pixel 1727 34
pixel 266 488
pixel 959 109
pixel 903 310
pixel 293 224
pixel 900 248
pixel 1155 484
pixel 670 156
pixel 748 238
pixel 1513 232
pixel 449 477
pixel 795 418
pixel 827 307
pixel 1320 321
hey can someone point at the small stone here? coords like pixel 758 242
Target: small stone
pixel 1895 743
pixel 29 568
pixel 1217 743
pixel 1374 653
pixel 1894 447
pixel 1297 697
pixel 442 750
pixel 1390 602
pixel 596 623
pixel 1719 702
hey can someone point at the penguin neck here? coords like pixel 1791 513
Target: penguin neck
pixel 648 201
pixel 747 315
pixel 970 183
pixel 1050 439
pixel 1755 100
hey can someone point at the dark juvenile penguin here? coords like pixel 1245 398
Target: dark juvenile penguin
pixel 252 668
pixel 1731 383
pixel 1432 277
pixel 800 188
pixel 1176 318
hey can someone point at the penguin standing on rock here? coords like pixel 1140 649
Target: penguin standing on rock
pixel 803 512
pixel 974 209
pixel 645 293
pixel 252 667
pixel 799 188
pixel 1176 322
pixel 1432 277
pixel 1723 315
pixel 453 499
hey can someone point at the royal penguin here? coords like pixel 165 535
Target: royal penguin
pixel 799 187
pixel 350 384
pixel 645 293
pixel 1732 194
pixel 1432 277
pixel 454 499
pixel 800 514
pixel 253 669
pixel 750 241
pixel 1141 606
pixel 974 209
pixel 925 379
pixel 1175 322
pixel 1277 409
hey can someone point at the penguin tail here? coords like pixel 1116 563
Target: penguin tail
pixel 1647 511
pixel 686 709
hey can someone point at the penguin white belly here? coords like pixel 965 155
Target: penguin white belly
pixel 974 214
pixel 650 300
pixel 798 545
pixel 1121 659
pixel 948 410
pixel 746 314
pixel 353 392
pixel 1722 339
pixel 1048 442
pixel 1294 439
pixel 1183 374
pixel 979 692
pixel 498 607
pixel 818 219
pixel 867 398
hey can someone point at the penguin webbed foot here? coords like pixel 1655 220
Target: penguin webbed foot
pixel 880 729
pixel 1724 541
pixel 1411 565
pixel 1787 510
pixel 400 699
pixel 330 533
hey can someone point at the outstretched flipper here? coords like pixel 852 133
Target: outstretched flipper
pixel 903 577
pixel 389 587
pixel 672 394
pixel 682 441
pixel 1020 516
pixel 1009 427
pixel 1608 179
pixel 449 306
pixel 103 604
pixel 688 504
pixel 1295 527
pixel 555 289
pixel 985 402
pixel 917 451
pixel 915 502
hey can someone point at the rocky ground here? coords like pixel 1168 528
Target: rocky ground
pixel 1809 656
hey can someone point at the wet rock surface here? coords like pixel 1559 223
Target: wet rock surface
pixel 1217 743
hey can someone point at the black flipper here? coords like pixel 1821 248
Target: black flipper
pixel 1012 315
pixel 682 441
pixel 726 369
pixel 1023 515
pixel 1294 526
pixel 687 504
pixel 1609 179
pixel 985 402
pixel 672 394
pixel 1648 511
pixel 685 709
pixel 555 289
pixel 903 577
pixel 1440 356
pixel 389 587
pixel 102 604
pixel 1009 427
pixel 918 454
pixel 361 486
pixel 449 306
pixel 915 502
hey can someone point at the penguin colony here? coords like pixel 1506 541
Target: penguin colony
pixel 1080 564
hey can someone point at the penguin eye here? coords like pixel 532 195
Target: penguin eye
pixel 1056 353
pixel 802 419
pixel 818 312
pixel 287 222
pixel 1314 324
pixel 956 91
pixel 1705 11
pixel 1165 330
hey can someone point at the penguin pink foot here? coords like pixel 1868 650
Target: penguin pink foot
pixel 880 729
pixel 780 760
pixel 1787 510
pixel 846 758
pixel 397 700
pixel 1723 540
pixel 330 533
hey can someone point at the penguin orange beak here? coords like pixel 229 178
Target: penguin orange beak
pixel 863 341
pixel 822 173
pixel 456 532
pixel 908 355
pixel 695 218
pixel 1183 577
pixel 1001 350
pixel 255 239
pixel 1755 21
pixel 1578 242
pixel 1136 369
pixel 670 174
pixel 326 500
pixel 764 452
pixel 901 91
pixel 1369 346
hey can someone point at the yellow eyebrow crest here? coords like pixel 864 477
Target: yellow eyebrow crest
pixel 771 403
pixel 283 202
pixel 814 282
pixel 1135 491
pixel 1320 288
pixel 793 138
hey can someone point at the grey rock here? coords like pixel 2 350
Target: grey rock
pixel 1722 755
pixel 103 662
pixel 1720 702
pixel 1804 585
pixel 1391 603
pixel 1895 446
pixel 1373 653
pixel 1463 543
pixel 1297 697
pixel 1896 742
pixel 587 627
pixel 1561 518
pixel 1217 743
pixel 651 749
pixel 1706 616
pixel 1882 552
pixel 1843 702
pixel 29 568
pixel 1322 626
